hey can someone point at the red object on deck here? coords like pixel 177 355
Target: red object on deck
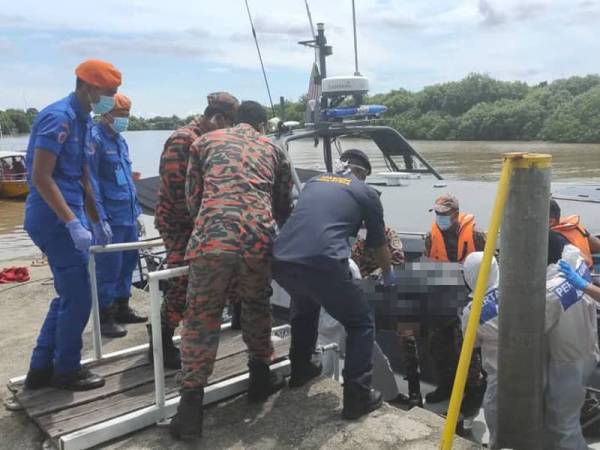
pixel 14 275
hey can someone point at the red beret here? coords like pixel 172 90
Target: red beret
pixel 122 102
pixel 101 74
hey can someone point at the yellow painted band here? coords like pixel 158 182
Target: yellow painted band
pixel 529 160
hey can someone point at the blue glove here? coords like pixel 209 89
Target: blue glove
pixel 390 278
pixel 102 232
pixel 572 277
pixel 82 238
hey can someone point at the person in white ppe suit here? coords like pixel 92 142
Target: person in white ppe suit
pixel 572 347
pixel 487 332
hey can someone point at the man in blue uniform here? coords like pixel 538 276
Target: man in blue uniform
pixel 311 263
pixel 54 216
pixel 118 206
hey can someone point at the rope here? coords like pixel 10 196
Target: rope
pixel 260 57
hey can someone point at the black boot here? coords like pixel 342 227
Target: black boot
pixel 171 355
pixel 125 314
pixel 82 380
pixel 38 378
pixel 359 400
pixel 302 372
pixel 408 402
pixel 108 327
pixel 440 394
pixel 187 423
pixel 473 398
pixel 262 382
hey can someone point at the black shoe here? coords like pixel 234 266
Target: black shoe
pixel 440 394
pixel 187 423
pixel 262 382
pixel 302 372
pixel 171 354
pixel 82 380
pixel 38 378
pixel 359 400
pixel 108 327
pixel 125 314
pixel 408 401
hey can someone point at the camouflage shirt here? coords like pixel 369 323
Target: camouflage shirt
pixel 171 211
pixel 238 189
pixel 364 256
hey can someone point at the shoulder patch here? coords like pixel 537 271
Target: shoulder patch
pixel 567 294
pixel 334 179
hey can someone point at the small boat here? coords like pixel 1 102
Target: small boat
pixel 13 175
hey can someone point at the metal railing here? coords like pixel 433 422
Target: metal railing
pixel 95 249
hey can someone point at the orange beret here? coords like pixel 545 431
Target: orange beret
pixel 122 102
pixel 101 74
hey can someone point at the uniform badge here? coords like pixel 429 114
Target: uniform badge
pixel 62 137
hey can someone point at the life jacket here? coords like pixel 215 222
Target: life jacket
pixel 465 241
pixel 571 229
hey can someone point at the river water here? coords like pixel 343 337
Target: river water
pixel 473 160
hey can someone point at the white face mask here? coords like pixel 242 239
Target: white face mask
pixel 443 222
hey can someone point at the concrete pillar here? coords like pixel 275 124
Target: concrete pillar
pixel 523 257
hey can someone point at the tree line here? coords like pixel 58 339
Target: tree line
pixel 477 107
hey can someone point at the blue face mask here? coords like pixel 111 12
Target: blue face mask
pixel 104 105
pixel 120 124
pixel 443 222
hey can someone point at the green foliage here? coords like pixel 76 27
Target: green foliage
pixel 476 107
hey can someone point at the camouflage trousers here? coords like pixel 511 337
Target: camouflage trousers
pixel 445 342
pixel 212 280
pixel 174 300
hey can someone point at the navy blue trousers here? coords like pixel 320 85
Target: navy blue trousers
pixel 333 289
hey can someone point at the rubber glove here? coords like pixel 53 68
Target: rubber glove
pixel 82 238
pixel 572 277
pixel 102 232
pixel 390 278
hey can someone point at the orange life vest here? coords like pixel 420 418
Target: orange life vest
pixel 465 241
pixel 572 230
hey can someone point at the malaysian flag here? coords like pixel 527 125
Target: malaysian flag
pixel 314 92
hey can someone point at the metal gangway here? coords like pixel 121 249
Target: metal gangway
pixel 49 406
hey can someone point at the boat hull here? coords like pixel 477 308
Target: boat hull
pixel 14 189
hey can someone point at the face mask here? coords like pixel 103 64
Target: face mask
pixel 443 222
pixel 120 124
pixel 104 105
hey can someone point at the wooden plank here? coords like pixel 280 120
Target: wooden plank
pixel 130 376
pixel 72 419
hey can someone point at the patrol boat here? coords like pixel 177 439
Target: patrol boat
pixel 13 175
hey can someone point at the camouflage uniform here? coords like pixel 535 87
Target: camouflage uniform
pixel 445 335
pixel 238 190
pixel 364 257
pixel 171 217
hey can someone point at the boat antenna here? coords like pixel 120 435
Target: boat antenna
pixel 356 72
pixel 312 28
pixel 260 57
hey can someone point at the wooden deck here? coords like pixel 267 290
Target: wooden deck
pixel 129 387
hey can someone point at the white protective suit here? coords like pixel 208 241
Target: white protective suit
pixel 487 333
pixel 331 331
pixel 573 355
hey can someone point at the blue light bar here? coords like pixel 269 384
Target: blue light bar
pixel 363 110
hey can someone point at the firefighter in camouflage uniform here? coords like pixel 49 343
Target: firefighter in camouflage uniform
pixel 171 217
pixel 238 191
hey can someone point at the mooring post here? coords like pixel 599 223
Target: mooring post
pixel 523 261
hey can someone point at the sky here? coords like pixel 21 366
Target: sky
pixel 172 53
